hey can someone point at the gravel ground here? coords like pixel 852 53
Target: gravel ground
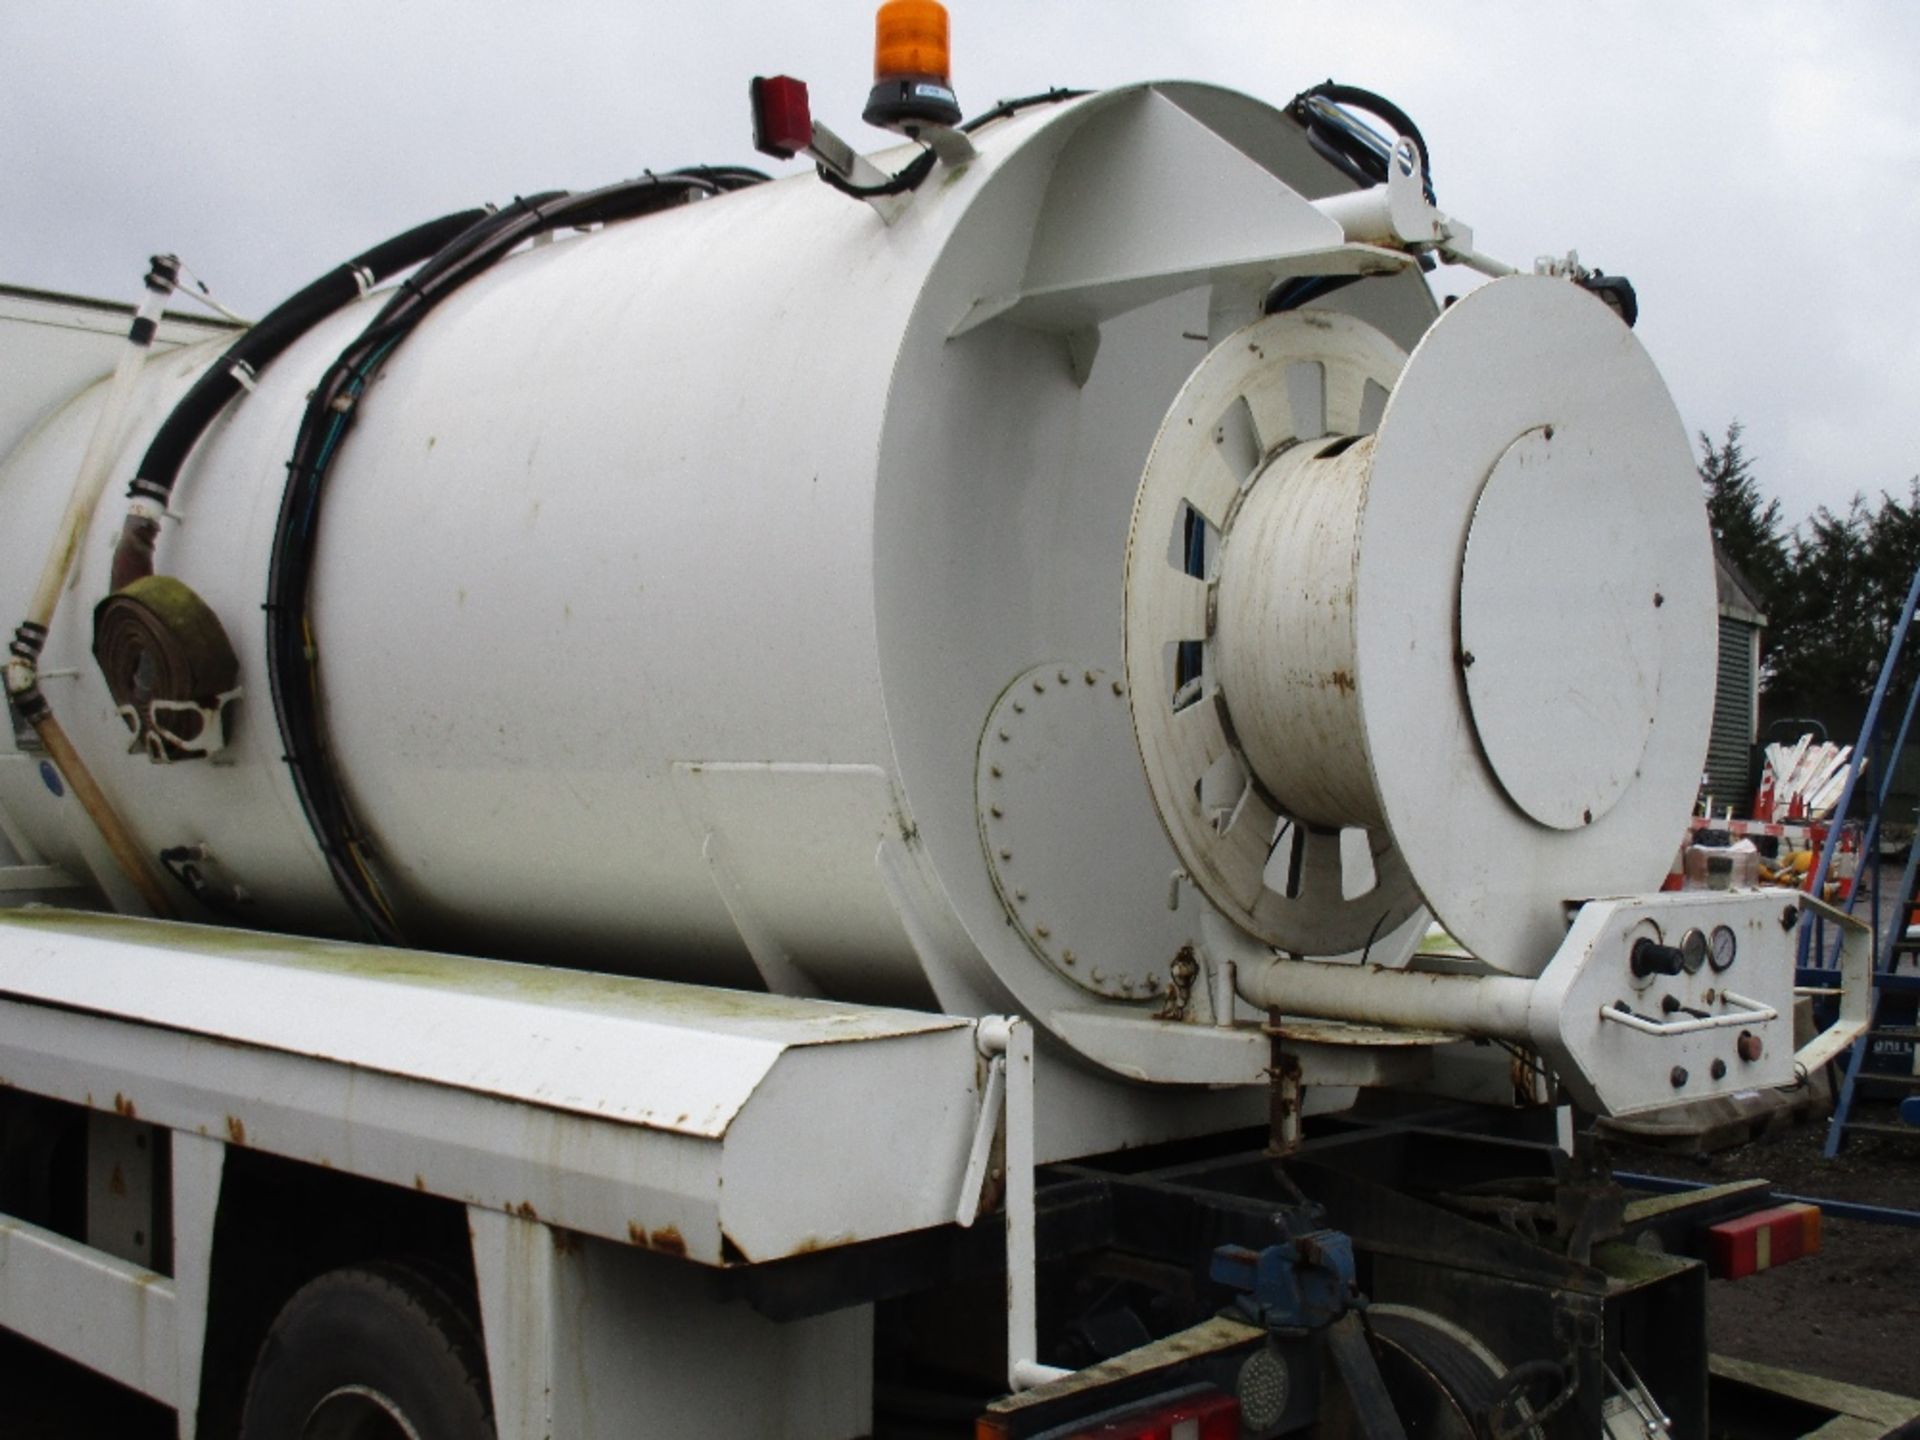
pixel 1850 1312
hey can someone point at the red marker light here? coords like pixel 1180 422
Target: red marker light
pixel 782 117
pixel 1738 1248
pixel 1212 1416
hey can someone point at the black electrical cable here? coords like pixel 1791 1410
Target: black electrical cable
pixel 291 655
pixel 910 178
pixel 726 177
pixel 1009 107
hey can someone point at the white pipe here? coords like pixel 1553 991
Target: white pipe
pixel 1493 1006
pixel 22 677
pixel 1223 992
pixel 1474 260
pixel 98 459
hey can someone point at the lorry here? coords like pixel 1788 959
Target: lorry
pixel 1005 788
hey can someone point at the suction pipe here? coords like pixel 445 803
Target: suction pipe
pixel 23 662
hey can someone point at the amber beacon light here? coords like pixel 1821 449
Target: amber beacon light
pixel 911 67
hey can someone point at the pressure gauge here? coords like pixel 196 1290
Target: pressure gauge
pixel 1722 947
pixel 1693 950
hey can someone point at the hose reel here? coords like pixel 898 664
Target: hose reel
pixel 169 666
pixel 1448 635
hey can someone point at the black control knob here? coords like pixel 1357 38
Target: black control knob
pixel 1650 957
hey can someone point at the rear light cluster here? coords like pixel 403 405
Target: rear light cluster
pixel 1197 1412
pixel 1736 1248
pixel 1214 1417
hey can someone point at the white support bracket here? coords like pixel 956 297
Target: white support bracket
pixel 1009 1044
pixel 130 1323
pixel 1856 987
pixel 515 1268
pixel 993 1096
pixel 835 154
pixel 198 1164
pixel 1623 1042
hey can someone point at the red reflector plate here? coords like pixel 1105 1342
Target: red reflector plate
pixel 1759 1241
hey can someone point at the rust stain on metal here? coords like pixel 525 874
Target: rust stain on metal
pixel 636 1235
pixel 123 1106
pixel 117 1182
pixel 565 1242
pixel 813 1243
pixel 668 1240
pixel 236 1130
pixel 1342 681
pixel 419 1181
pixel 524 1210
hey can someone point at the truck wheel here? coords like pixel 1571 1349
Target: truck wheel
pixel 375 1352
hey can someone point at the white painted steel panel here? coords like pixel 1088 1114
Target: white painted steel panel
pixel 612 1106
pixel 583 1338
pixel 112 1316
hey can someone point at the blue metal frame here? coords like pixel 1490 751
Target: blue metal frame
pixel 1838 1209
pixel 1813 937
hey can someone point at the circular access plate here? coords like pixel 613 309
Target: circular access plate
pixel 1559 629
pixel 1284 379
pixel 1599 624
pixel 1060 808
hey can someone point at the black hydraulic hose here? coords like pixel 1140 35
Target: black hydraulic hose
pixel 1302 289
pixel 1378 105
pixel 275 331
pixel 291 654
pixel 1362 175
pixel 159 470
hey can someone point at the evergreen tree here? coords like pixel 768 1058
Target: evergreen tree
pixel 1832 588
pixel 1849 579
pixel 1746 526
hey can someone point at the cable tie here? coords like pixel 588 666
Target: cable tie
pixel 248 377
pixel 365 279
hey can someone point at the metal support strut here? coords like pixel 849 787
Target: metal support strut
pixel 1007 1044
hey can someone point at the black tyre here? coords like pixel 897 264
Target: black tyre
pixel 377 1352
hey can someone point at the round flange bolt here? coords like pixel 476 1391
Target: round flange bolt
pixel 1677 1076
pixel 1749 1046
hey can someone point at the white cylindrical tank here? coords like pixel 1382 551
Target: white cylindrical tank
pixel 740 594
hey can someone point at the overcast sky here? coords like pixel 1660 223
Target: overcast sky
pixel 1753 167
